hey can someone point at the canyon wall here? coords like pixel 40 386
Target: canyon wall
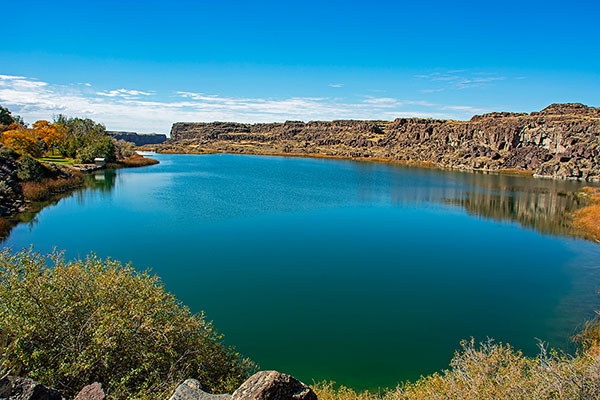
pixel 139 139
pixel 561 141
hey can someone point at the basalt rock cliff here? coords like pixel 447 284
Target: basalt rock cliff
pixel 139 139
pixel 561 141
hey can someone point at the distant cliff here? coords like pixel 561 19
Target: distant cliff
pixel 140 139
pixel 561 141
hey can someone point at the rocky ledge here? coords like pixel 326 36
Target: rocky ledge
pixel 264 385
pixel 561 141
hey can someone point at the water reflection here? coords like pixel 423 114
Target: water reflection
pixel 543 205
pixel 102 181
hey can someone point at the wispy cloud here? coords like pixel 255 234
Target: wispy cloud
pixel 147 111
pixel 458 79
pixel 123 93
pixel 336 85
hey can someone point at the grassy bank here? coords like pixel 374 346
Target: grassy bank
pixel 49 188
pixel 588 218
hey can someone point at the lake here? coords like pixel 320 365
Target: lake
pixel 362 273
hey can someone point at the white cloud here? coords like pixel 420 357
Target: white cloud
pixel 336 85
pixel 458 79
pixel 145 111
pixel 123 93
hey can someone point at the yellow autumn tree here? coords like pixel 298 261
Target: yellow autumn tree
pixel 21 140
pixel 51 134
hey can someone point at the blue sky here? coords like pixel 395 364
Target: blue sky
pixel 143 65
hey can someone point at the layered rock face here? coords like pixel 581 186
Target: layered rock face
pixel 561 141
pixel 139 139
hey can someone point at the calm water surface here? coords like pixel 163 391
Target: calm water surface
pixel 362 273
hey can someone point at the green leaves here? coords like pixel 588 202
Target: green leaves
pixel 96 320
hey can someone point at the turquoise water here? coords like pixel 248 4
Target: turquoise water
pixel 362 273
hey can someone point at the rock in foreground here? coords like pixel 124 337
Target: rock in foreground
pixel 273 385
pixel 91 392
pixel 16 388
pixel 191 389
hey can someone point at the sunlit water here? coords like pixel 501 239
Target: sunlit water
pixel 362 273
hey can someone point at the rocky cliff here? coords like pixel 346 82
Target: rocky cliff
pixel 561 141
pixel 139 139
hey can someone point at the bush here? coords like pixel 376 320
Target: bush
pixel 124 149
pixel 30 169
pixel 103 147
pixel 6 153
pixel 494 371
pixel 89 320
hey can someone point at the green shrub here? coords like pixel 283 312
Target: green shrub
pixel 30 169
pixel 6 153
pixel 494 371
pixel 89 320
pixel 103 147
pixel 124 149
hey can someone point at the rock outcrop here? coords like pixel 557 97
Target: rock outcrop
pixel 192 389
pixel 91 392
pixel 273 385
pixel 17 388
pixel 561 141
pixel 11 196
pixel 139 139
pixel 264 385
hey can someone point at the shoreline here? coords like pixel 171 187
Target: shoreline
pixel 52 190
pixel 580 221
pixel 390 161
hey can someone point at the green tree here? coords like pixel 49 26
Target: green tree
pixel 7 119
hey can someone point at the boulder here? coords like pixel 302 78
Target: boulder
pixel 17 388
pixel 191 389
pixel 91 392
pixel 273 385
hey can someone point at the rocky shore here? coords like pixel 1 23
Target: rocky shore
pixel 561 141
pixel 264 385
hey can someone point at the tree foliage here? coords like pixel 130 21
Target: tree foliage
pixel 7 119
pixel 70 323
pixel 22 140
pixel 51 134
pixel 85 140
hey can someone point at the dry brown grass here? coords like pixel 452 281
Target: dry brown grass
pixel 49 188
pixel 514 171
pixel 5 226
pixel 588 218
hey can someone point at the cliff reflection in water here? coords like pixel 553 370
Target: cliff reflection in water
pixel 544 205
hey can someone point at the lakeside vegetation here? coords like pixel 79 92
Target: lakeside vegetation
pixel 41 162
pixel 588 218
pixel 71 323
